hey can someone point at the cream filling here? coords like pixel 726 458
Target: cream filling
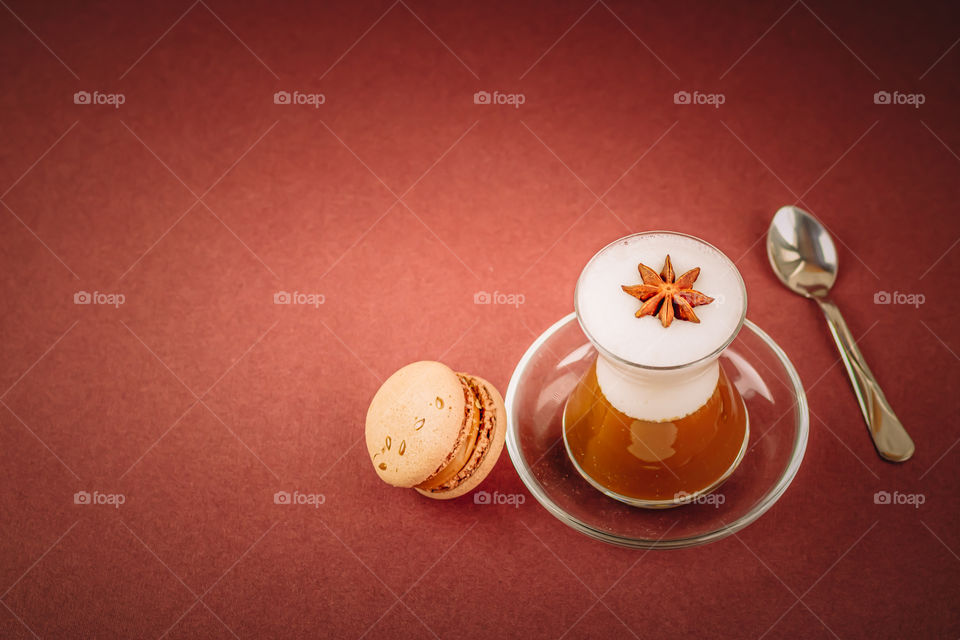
pixel 464 452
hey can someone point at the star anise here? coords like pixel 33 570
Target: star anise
pixel 666 298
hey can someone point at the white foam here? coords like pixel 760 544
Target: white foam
pixel 606 312
pixel 657 396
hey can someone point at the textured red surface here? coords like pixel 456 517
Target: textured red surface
pixel 397 199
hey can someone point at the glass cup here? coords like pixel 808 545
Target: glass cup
pixel 658 435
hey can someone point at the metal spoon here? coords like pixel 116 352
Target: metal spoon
pixel 803 256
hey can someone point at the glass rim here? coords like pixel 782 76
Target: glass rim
pixel 612 356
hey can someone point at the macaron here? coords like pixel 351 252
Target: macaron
pixel 435 430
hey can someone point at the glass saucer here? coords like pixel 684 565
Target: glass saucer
pixel 779 425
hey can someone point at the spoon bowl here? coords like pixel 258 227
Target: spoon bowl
pixel 801 252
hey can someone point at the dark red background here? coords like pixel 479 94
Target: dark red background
pixel 199 397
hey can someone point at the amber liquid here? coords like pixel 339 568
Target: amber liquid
pixel 655 460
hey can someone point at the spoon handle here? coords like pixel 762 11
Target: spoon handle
pixel 891 439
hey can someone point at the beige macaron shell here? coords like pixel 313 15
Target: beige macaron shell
pixel 492 455
pixel 418 411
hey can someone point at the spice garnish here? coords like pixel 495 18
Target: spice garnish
pixel 666 298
